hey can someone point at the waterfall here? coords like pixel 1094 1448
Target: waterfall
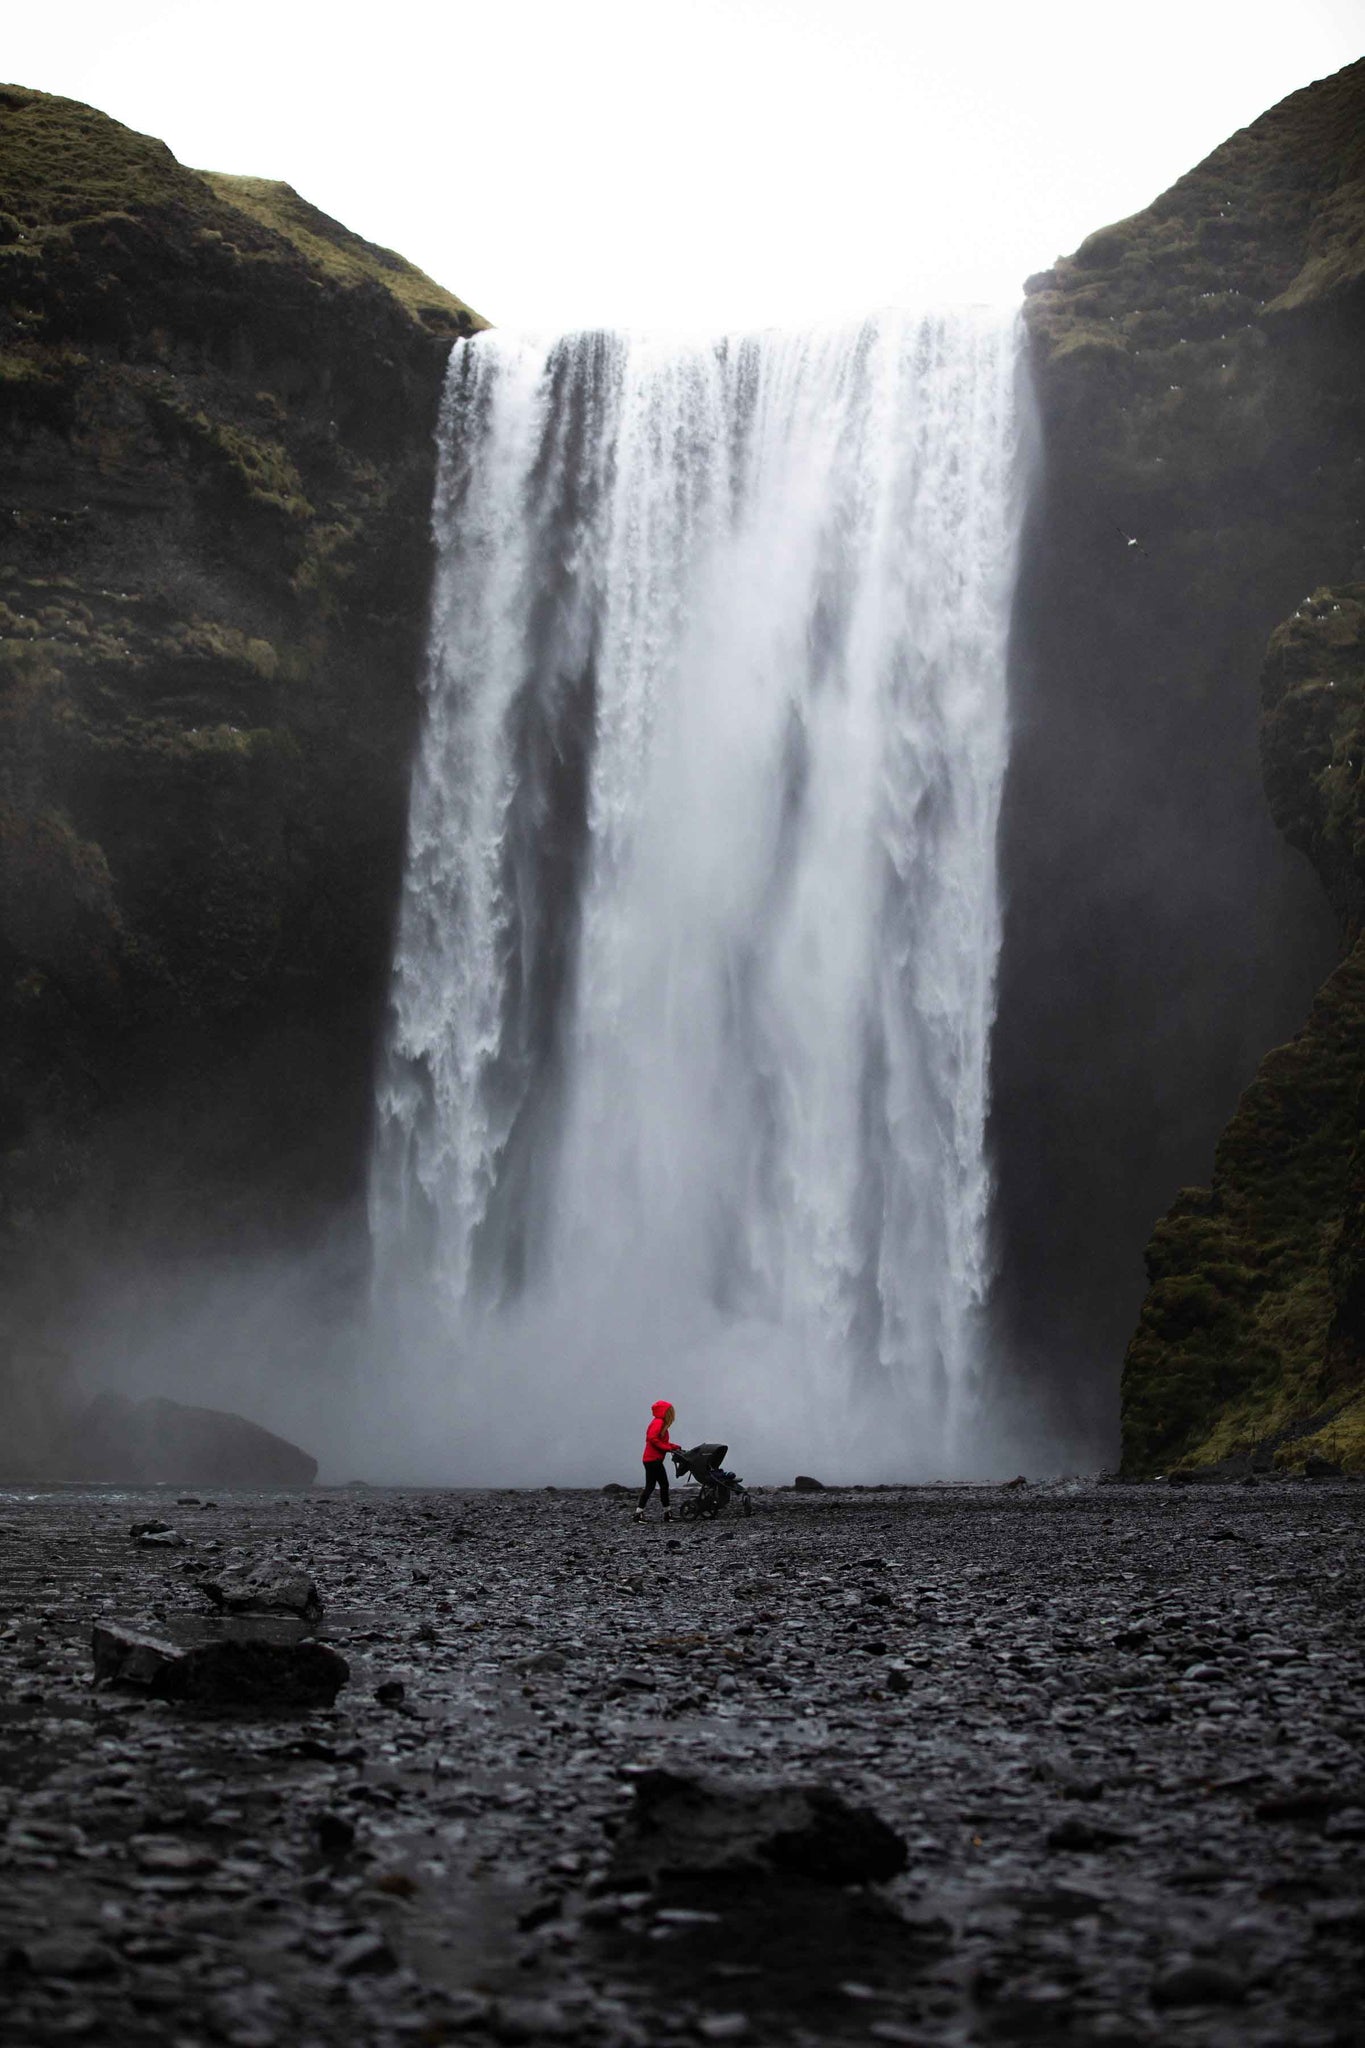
pixel 686 1081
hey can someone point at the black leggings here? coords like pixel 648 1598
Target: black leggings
pixel 656 1474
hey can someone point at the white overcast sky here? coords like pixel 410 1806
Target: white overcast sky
pixel 711 163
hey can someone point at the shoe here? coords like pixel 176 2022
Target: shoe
pixel 668 1514
pixel 639 1514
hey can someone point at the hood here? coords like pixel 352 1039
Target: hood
pixel 661 1408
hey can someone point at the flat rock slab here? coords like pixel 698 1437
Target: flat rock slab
pixel 685 1826
pixel 265 1589
pixel 225 1674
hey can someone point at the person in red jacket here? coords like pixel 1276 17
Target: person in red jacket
pixel 657 1443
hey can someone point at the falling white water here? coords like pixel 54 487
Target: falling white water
pixel 687 1078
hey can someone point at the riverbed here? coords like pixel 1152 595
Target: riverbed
pixel 1117 1728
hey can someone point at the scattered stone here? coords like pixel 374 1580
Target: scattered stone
pixel 336 1834
pixel 160 1857
pixel 221 1674
pixel 723 2026
pixel 1044 1634
pixel 531 2019
pixel 391 1693
pixel 682 1826
pixel 615 1486
pixel 1303 1802
pixel 1081 1835
pixel 1015 1485
pixel 265 1588
pixel 1315 1466
pixel 1198 1983
pixel 67 1956
pixel 543 1663
pixel 803 1483
pixel 365 1955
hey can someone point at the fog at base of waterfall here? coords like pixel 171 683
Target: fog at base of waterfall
pixel 685 1087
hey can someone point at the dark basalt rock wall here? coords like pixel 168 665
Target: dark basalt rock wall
pixel 1251 1341
pixel 1203 437
pixel 215 441
pixel 216 414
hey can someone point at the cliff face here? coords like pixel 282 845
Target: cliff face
pixel 1251 1341
pixel 216 413
pixel 1202 429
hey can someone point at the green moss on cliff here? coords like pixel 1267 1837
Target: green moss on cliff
pixel 216 433
pixel 1185 297
pixel 1253 1330
pixel 1313 741
pixel 72 181
pixel 344 256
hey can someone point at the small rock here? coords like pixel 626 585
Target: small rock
pixel 531 2019
pixel 723 2026
pixel 1081 1835
pixel 803 1483
pixel 365 1955
pixel 543 1661
pixel 1315 1466
pixel 1198 1983
pixel 163 1858
pixel 336 1834
pixel 1015 1485
pixel 391 1693
pixel 68 1956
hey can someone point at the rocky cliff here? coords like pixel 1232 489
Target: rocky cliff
pixel 216 409
pixel 1251 1342
pixel 1202 425
pixel 216 413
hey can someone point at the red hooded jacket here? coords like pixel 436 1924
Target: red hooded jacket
pixel 656 1436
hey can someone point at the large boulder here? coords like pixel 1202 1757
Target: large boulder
pixel 267 1588
pixel 691 1826
pixel 159 1441
pixel 224 1674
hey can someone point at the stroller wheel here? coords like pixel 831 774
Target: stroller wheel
pixel 687 1511
pixel 748 1507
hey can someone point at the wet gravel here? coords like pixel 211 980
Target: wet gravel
pixel 1119 1729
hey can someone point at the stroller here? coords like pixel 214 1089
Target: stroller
pixel 704 1468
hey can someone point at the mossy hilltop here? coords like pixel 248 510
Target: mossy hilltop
pixel 216 414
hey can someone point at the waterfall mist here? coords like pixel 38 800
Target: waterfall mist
pixel 686 1081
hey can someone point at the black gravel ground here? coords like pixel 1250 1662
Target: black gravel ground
pixel 1119 1729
